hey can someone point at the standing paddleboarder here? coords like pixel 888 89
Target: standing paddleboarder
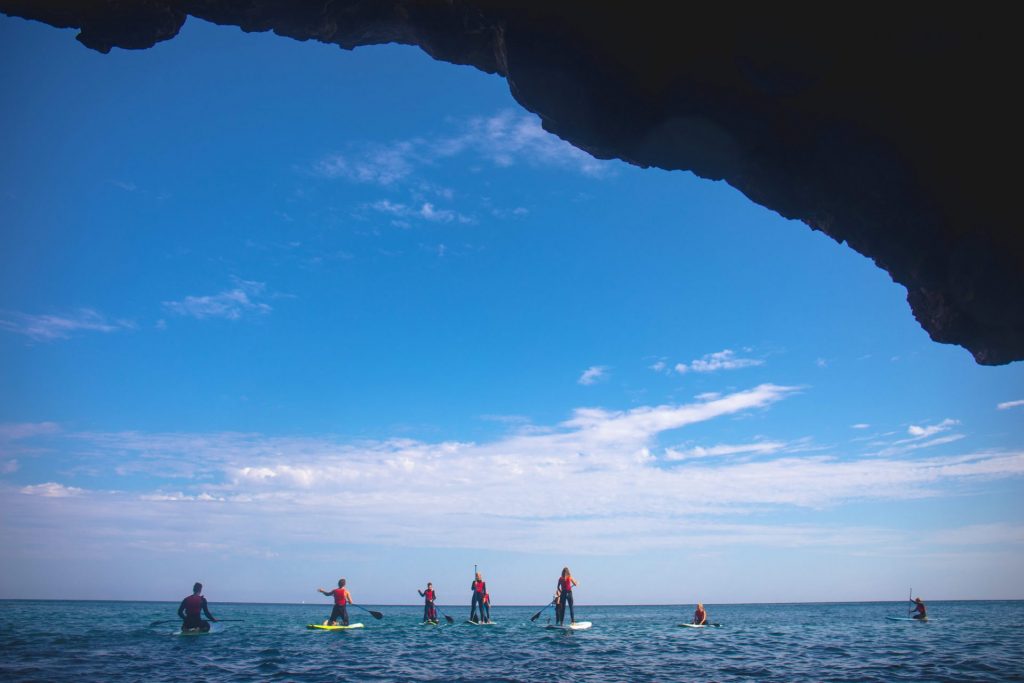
pixel 342 598
pixel 479 588
pixel 191 609
pixel 563 597
pixel 429 611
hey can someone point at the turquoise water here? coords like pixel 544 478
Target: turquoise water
pixel 111 641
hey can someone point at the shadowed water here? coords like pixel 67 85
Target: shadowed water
pixel 111 641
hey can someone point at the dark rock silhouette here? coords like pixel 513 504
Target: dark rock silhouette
pixel 892 129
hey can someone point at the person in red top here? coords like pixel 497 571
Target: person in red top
pixel 191 609
pixel 563 597
pixel 919 607
pixel 700 615
pixel 479 588
pixel 485 608
pixel 429 611
pixel 342 598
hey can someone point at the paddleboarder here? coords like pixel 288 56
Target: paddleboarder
pixel 700 615
pixel 191 609
pixel 563 597
pixel 342 598
pixel 429 611
pixel 479 588
pixel 919 607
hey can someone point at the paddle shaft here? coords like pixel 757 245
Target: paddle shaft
pixel 537 615
pixel 372 613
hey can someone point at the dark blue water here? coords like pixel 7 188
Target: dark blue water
pixel 111 641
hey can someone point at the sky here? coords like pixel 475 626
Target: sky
pixel 272 313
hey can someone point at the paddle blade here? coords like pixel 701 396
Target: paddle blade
pixel 449 619
pixel 536 616
pixel 375 615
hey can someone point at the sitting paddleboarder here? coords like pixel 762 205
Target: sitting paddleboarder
pixel 563 597
pixel 429 611
pixel 342 598
pixel 919 607
pixel 191 609
pixel 700 615
pixel 479 588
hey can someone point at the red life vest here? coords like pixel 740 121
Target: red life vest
pixel 479 586
pixel 193 604
pixel 339 596
pixel 565 583
pixel 429 594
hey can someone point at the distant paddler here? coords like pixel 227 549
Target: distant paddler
pixel 479 588
pixel 563 597
pixel 429 610
pixel 700 615
pixel 920 609
pixel 342 598
pixel 192 608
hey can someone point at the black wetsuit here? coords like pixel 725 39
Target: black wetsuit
pixel 564 598
pixel 190 612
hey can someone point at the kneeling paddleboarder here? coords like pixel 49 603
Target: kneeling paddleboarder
pixel 342 598
pixel 192 608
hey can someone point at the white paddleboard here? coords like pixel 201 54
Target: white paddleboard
pixel 481 623
pixel 337 627
pixel 577 626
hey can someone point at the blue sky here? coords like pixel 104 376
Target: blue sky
pixel 272 313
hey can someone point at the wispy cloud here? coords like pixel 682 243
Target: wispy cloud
pixel 720 360
pixel 919 432
pixel 8 466
pixel 279 491
pixel 425 210
pixel 593 374
pixel 1010 404
pixel 51 489
pixel 505 139
pixel 860 425
pixel 381 165
pixel 757 448
pixel 46 328
pixel 26 430
pixel 231 304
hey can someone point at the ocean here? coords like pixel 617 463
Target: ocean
pixel 112 641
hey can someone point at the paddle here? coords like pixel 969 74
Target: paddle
pixel 373 613
pixel 537 615
pixel 446 617
pixel 911 598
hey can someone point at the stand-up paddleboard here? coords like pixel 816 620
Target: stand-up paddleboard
pixel 701 625
pixel 336 627
pixel 908 619
pixel 481 623
pixel 575 626
pixel 198 632
pixel 430 623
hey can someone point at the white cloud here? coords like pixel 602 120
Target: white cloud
pixel 426 211
pixel 1010 404
pixel 230 304
pixel 860 425
pixel 504 139
pixel 51 489
pixel 821 363
pixel 720 360
pixel 51 327
pixel 923 432
pixel 381 165
pixel 282 491
pixel 593 374
pixel 25 430
pixel 758 448
pixel 8 466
